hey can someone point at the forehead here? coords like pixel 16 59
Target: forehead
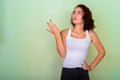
pixel 78 9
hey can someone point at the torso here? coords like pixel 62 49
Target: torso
pixel 76 49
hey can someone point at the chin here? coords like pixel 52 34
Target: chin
pixel 75 22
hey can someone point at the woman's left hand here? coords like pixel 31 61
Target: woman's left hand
pixel 85 66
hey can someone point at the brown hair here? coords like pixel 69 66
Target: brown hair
pixel 88 20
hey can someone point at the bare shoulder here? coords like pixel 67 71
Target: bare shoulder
pixel 92 34
pixel 64 32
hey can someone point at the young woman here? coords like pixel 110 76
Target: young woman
pixel 72 44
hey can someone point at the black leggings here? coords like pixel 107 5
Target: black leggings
pixel 74 74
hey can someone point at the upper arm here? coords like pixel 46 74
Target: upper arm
pixel 63 34
pixel 96 41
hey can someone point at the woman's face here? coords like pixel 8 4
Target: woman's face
pixel 77 16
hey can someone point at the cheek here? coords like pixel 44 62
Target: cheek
pixel 80 17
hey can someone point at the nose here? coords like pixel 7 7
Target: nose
pixel 75 15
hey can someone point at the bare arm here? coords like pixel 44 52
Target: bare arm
pixel 100 49
pixel 59 38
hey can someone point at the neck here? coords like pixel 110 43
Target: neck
pixel 79 27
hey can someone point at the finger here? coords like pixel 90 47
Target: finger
pixel 49 25
pixel 49 30
pixel 51 22
pixel 85 62
pixel 84 66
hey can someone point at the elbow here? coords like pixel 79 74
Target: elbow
pixel 103 53
pixel 61 54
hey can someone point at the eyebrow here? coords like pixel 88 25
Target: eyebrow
pixel 77 11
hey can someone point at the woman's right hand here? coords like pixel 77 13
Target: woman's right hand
pixel 53 28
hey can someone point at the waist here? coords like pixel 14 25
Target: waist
pixel 73 63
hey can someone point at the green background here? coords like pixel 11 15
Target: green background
pixel 27 50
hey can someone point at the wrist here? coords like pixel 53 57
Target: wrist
pixel 57 34
pixel 90 68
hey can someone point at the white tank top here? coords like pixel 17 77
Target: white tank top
pixel 76 50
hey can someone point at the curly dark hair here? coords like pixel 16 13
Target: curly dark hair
pixel 88 20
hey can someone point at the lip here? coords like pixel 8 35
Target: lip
pixel 74 18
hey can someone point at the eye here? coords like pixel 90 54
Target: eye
pixel 73 12
pixel 79 12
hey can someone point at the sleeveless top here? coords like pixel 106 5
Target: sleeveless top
pixel 76 50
